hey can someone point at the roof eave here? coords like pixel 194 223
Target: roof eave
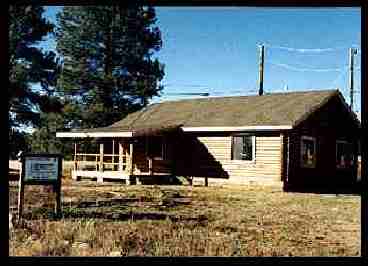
pixel 234 129
pixel 127 134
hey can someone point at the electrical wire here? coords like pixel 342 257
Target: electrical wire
pixel 342 73
pixel 290 67
pixel 307 50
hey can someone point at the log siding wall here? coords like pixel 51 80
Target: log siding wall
pixel 266 168
pixel 210 156
pixel 327 125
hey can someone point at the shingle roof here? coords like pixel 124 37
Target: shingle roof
pixel 271 109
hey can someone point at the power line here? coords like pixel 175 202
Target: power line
pixel 211 93
pixel 187 93
pixel 306 50
pixel 290 67
pixel 342 73
pixel 184 85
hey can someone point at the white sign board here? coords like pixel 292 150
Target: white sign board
pixel 41 168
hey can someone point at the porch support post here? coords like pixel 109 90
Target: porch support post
pixel 75 156
pixel 150 165
pixel 113 154
pixel 99 178
pixel 126 152
pixel 120 156
pixel 148 155
pixel 130 164
pixel 131 168
pixel 75 165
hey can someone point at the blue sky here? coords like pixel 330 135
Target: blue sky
pixel 214 49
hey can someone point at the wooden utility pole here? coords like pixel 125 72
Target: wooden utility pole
pixel 261 67
pixel 352 52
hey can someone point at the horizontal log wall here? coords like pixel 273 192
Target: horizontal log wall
pixel 266 167
pixel 330 123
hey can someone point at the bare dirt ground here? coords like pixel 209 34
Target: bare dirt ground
pixel 118 220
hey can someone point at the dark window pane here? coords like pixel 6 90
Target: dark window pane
pixel 237 147
pixel 242 148
pixel 344 154
pixel 308 153
pixel 247 153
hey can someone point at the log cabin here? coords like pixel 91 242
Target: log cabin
pixel 299 138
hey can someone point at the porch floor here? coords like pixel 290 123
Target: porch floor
pixel 111 174
pixel 99 174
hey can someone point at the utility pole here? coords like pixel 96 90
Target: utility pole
pixel 352 52
pixel 261 67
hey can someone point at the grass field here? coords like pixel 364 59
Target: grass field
pixel 117 220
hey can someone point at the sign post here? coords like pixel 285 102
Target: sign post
pixel 40 169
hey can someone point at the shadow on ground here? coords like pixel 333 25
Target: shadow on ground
pixel 115 216
pixel 142 180
pixel 79 210
pixel 170 202
pixel 355 189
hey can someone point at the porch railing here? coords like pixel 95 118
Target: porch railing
pixel 93 162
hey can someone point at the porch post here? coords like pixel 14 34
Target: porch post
pixel 99 178
pixel 75 165
pixel 75 156
pixel 126 153
pixel 131 168
pixel 131 165
pixel 120 156
pixel 150 160
pixel 113 155
pixel 150 166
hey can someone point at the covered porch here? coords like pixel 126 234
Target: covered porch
pixel 129 156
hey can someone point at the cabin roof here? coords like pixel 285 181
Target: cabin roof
pixel 272 110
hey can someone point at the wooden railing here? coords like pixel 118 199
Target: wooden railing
pixel 93 162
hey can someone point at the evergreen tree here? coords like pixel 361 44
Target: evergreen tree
pixel 44 137
pixel 29 65
pixel 107 66
pixel 18 140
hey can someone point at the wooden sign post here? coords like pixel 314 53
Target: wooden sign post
pixel 40 169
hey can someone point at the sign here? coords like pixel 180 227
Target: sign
pixel 40 169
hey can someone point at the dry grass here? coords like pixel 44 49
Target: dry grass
pixel 118 220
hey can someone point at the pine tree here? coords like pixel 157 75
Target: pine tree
pixel 107 66
pixel 29 65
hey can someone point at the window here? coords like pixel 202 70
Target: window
pixel 243 148
pixel 344 154
pixel 308 152
pixel 156 147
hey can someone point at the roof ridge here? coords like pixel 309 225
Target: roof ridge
pixel 247 96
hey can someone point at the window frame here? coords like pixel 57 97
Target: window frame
pixel 163 148
pixel 339 141
pixel 253 147
pixel 314 139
